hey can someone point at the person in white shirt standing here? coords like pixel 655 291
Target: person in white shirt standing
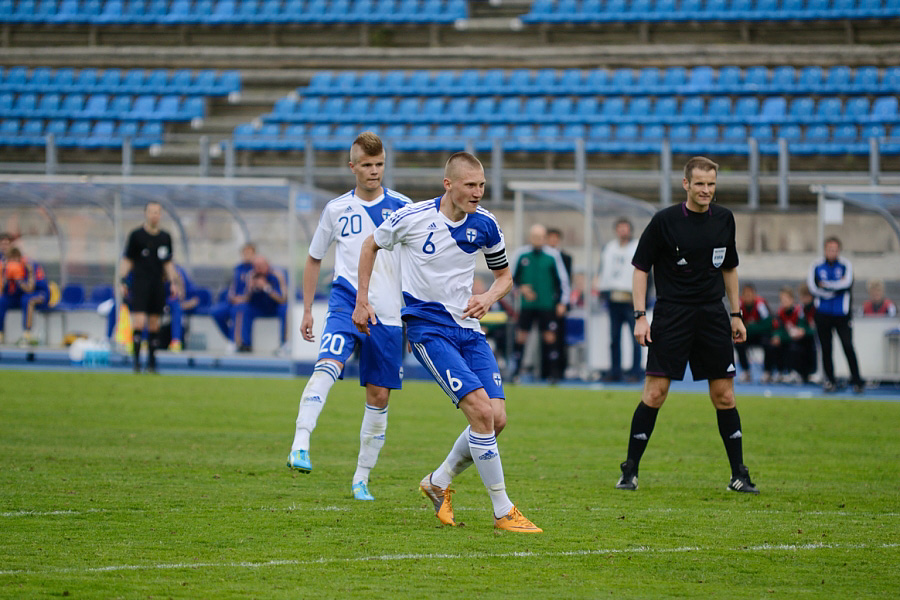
pixel 346 221
pixel 438 241
pixel 615 285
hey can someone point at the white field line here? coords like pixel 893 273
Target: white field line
pixel 466 557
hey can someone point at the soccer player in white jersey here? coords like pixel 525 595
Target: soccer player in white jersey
pixel 345 222
pixel 438 241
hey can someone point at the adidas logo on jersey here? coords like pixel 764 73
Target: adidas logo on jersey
pixel 488 455
pixel 432 227
pixel 349 209
pixel 681 263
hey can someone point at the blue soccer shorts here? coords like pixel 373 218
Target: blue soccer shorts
pixel 459 359
pixel 380 353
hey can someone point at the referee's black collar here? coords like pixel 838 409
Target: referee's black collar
pixel 687 213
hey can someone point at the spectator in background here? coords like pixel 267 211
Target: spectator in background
pixel 147 258
pixel 266 291
pixel 37 298
pixel 830 280
pixel 179 307
pixel 808 304
pixel 792 336
pixel 223 312
pixel 6 241
pixel 540 276
pixel 877 305
pixel 758 321
pixel 554 239
pixel 615 286
pixel 16 282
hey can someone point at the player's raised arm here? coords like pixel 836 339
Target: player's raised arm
pixel 364 314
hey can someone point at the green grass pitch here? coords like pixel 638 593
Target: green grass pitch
pixel 122 486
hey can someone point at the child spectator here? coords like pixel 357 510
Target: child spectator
pixel 792 336
pixel 877 305
pixel 758 320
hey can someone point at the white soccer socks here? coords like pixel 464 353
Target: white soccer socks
pixel 486 455
pixel 371 440
pixel 313 401
pixel 459 459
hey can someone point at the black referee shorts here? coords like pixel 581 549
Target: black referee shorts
pixel 699 334
pixel 545 319
pixel 147 296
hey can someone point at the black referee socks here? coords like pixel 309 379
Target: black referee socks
pixel 730 430
pixel 642 424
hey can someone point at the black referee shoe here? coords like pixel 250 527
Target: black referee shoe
pixel 628 480
pixel 741 482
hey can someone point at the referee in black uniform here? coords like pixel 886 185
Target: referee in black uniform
pixel 148 261
pixel 691 249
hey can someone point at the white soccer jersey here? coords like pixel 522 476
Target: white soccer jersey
pixel 347 221
pixel 437 258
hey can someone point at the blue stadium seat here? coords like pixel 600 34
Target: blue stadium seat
pixel 746 108
pixel 622 80
pixel 127 129
pixel 828 110
pixel 458 109
pixel 25 106
pixel 674 80
pixel 492 82
pixel 95 107
pixel 72 297
pixel 838 80
pixel 810 80
pixel 572 80
pixel 9 131
pixel 507 108
pixel 41 80
pixel 599 81
pixel 103 135
pixel 587 109
pixel 169 108
pixel 31 133
pixel 729 80
pixel 648 80
pixel 734 140
pixel 756 79
pixel 85 81
pixel 890 80
pixel 845 134
pixel 801 109
pixel 6 103
pixel 110 82
pixel 692 109
pixel 856 108
pixel 56 127
pixel 700 81
pixel 519 82
pixel 613 108
pixel 865 81
pixel 719 109
pixel 76 135
pixel 639 108
pixel 483 109
pixel 562 109
pixel 535 109
pixel 773 109
pixel 783 80
pixel 665 109
pixel 546 82
pixel 884 110
pixel 49 106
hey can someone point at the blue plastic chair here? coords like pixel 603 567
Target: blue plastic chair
pixel 773 109
pixel 95 107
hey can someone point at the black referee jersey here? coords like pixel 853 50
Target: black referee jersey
pixel 148 253
pixel 687 252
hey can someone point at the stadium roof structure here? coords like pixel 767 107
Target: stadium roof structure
pixel 881 200
pixel 179 196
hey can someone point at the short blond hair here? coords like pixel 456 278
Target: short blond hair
pixel 368 143
pixel 699 162
pixel 460 158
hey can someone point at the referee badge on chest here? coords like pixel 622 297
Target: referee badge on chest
pixel 718 257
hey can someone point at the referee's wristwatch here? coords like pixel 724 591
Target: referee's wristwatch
pixel 739 314
pixel 639 313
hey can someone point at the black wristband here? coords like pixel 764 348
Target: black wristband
pixel 738 314
pixel 640 313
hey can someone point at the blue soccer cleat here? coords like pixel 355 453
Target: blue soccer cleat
pixel 361 491
pixel 299 460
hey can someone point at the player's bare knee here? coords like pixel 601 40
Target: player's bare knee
pixel 377 397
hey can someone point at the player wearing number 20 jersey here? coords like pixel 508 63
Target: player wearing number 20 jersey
pixel 346 222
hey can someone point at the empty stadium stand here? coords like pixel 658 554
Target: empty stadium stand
pixel 701 109
pixel 97 108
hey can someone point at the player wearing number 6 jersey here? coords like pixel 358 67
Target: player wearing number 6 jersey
pixel 346 222
pixel 438 241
